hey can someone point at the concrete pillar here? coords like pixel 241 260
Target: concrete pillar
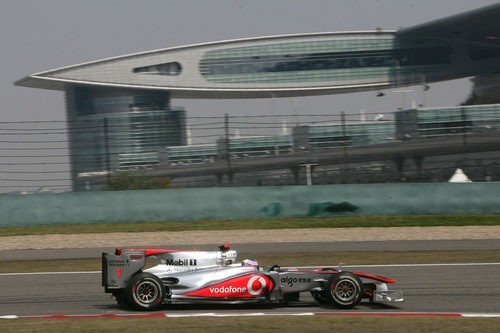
pixel 163 157
pixel 399 161
pixel 296 174
pixel 219 179
pixel 419 160
pixel 309 172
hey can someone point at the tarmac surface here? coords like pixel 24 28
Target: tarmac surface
pixel 464 288
pixel 278 247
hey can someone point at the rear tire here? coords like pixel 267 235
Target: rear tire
pixel 145 291
pixel 345 290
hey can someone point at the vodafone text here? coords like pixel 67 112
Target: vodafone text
pixel 228 290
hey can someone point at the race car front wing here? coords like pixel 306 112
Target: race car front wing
pixel 387 296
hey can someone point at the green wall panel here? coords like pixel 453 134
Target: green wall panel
pixel 253 202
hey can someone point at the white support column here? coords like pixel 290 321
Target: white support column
pixel 309 167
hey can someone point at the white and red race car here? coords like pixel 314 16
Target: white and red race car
pixel 215 276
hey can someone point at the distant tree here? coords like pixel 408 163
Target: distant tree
pixel 127 181
pixel 161 182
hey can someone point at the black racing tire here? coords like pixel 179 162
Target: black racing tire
pixel 321 297
pixel 345 290
pixel 145 291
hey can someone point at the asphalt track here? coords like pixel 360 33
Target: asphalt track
pixel 399 245
pixel 449 289
pixel 454 288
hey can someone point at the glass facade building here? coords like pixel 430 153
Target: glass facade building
pixel 439 122
pixel 202 153
pixel 337 60
pixel 352 134
pixel 254 146
pixel 453 120
pixel 112 129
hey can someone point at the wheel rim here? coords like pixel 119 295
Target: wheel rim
pixel 146 292
pixel 345 290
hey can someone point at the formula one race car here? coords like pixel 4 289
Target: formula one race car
pixel 214 276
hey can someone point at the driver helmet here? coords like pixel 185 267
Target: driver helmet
pixel 250 263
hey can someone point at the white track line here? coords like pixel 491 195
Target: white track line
pixel 488 315
pixel 213 314
pixel 238 314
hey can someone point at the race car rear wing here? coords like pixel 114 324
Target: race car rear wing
pixel 118 268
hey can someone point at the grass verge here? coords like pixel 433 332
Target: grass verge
pixel 271 223
pixel 288 259
pixel 252 324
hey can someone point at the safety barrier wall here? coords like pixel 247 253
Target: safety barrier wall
pixel 249 202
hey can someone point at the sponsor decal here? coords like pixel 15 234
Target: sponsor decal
pixel 118 262
pixel 228 290
pixel 290 281
pixel 243 286
pixel 180 262
pixel 256 285
pixel 179 268
pixel 135 257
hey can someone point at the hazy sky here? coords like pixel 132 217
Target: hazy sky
pixel 46 34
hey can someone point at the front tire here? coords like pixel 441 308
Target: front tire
pixel 345 290
pixel 145 291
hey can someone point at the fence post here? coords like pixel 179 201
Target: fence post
pixel 228 150
pixel 464 133
pixel 106 152
pixel 344 147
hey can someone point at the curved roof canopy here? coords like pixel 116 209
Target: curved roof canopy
pixel 304 64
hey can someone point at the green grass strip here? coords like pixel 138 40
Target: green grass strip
pixel 270 223
pixel 367 324
pixel 257 324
